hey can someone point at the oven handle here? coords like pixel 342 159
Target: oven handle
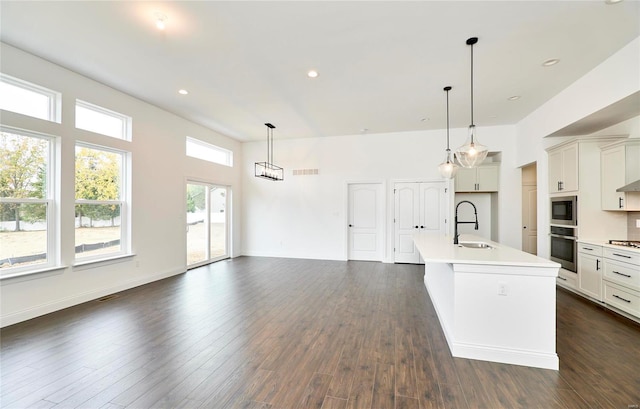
pixel 563 237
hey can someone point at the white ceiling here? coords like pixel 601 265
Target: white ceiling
pixel 382 64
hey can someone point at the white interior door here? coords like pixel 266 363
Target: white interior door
pixel 530 219
pixel 419 208
pixel 407 222
pixel 366 221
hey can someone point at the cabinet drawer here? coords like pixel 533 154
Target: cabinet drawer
pixel 621 255
pixel 567 279
pixel 592 249
pixel 625 274
pixel 624 299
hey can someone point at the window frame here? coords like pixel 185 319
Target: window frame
pixel 54 113
pixel 127 121
pixel 206 145
pixel 52 213
pixel 123 201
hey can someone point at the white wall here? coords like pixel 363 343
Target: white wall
pixel 160 169
pixel 613 80
pixel 305 216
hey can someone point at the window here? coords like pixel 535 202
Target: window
pixel 29 99
pixel 101 222
pixel 103 121
pixel 211 153
pixel 27 218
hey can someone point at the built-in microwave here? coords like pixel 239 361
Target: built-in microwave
pixel 564 210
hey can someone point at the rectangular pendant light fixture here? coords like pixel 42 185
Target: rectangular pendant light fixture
pixel 267 169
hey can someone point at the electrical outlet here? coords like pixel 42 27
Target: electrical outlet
pixel 638 223
pixel 502 289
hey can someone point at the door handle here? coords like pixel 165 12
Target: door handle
pixel 597 265
pixel 620 203
pixel 351 225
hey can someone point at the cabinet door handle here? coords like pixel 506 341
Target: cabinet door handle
pixel 623 299
pixel 587 248
pixel 621 255
pixel 620 203
pixel 597 265
pixel 562 278
pixel 560 185
pixel 621 274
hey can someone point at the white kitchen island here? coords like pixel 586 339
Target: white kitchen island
pixel 496 304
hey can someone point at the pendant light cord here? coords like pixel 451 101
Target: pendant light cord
pixel 447 89
pixel 472 123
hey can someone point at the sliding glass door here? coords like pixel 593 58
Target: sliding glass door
pixel 207 223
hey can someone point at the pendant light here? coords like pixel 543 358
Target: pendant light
pixel 472 153
pixel 267 169
pixel 448 168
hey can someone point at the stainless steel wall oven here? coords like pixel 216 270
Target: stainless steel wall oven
pixel 564 247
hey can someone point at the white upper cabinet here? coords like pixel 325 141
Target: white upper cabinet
pixel 620 165
pixel 481 179
pixel 563 169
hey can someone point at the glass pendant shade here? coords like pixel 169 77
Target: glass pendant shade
pixel 472 153
pixel 448 168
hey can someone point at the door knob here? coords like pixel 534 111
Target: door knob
pixel 416 227
pixel 351 225
pixel 524 227
pixel 422 227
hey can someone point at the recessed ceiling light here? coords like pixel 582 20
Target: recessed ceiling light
pixel 183 92
pixel 424 119
pixel 550 62
pixel 513 98
pixel 161 20
pixel 312 74
pixel 364 130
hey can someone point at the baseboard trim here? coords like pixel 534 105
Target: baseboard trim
pixel 47 308
pixel 506 356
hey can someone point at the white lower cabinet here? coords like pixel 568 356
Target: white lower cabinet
pixel 590 268
pixel 611 275
pixel 568 279
pixel 622 298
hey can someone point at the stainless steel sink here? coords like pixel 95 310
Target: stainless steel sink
pixel 475 245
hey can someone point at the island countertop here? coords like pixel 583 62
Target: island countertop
pixel 440 249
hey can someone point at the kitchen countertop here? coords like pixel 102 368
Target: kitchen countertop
pixel 440 249
pixel 605 243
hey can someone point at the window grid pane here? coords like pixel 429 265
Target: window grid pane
pixel 103 121
pixel 24 167
pixel 198 149
pixel 98 229
pixel 23 234
pixel 98 174
pixel 28 99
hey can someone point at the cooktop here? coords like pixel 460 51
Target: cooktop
pixel 626 243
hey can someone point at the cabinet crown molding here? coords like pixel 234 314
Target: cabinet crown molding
pixel 603 140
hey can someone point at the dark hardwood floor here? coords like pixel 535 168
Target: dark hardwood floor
pixel 282 333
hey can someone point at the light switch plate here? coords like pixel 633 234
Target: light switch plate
pixel 638 223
